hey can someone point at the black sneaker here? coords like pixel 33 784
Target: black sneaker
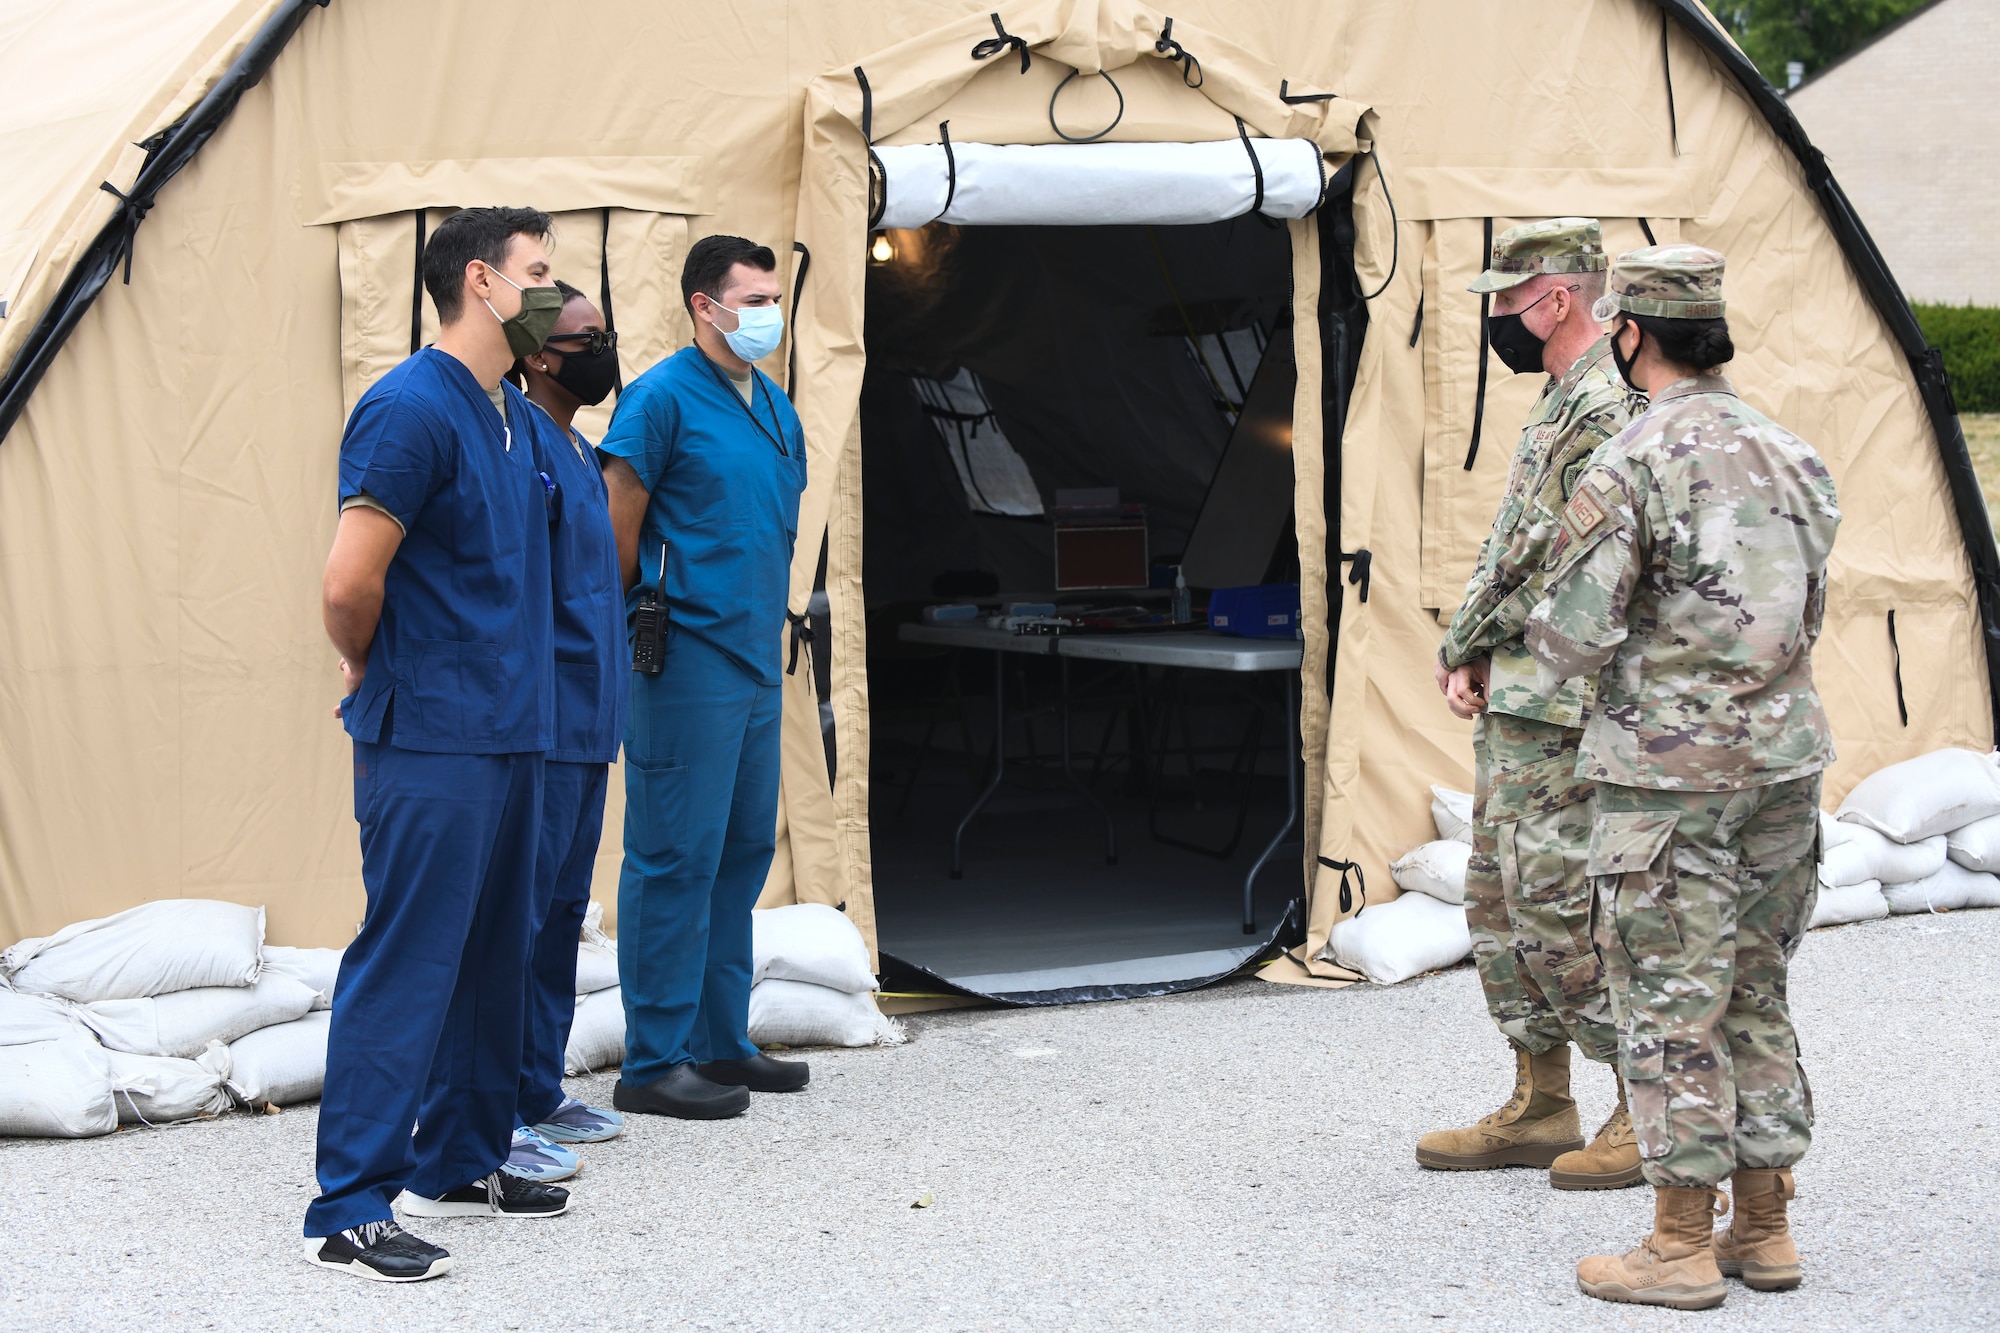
pixel 379 1252
pixel 760 1073
pixel 498 1195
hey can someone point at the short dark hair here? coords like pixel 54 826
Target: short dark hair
pixel 710 259
pixel 1701 343
pixel 469 234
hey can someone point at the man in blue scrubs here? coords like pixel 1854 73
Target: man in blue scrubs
pixel 576 366
pixel 437 597
pixel 706 460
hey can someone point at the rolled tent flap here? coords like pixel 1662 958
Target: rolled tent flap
pixel 1168 184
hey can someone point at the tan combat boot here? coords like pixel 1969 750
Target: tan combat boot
pixel 1674 1266
pixel 1608 1162
pixel 1537 1125
pixel 1757 1246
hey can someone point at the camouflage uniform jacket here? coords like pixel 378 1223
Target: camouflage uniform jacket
pixel 1692 559
pixel 1585 407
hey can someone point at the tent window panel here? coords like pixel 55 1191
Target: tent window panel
pixel 995 477
pixel 379 290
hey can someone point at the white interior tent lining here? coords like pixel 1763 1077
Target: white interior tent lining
pixel 1074 185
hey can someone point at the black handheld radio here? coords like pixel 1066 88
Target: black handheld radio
pixel 649 624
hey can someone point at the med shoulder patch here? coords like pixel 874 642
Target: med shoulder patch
pixel 1586 512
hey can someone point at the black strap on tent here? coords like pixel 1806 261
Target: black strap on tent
pixel 798 291
pixel 1347 868
pixel 1667 68
pixel 867 106
pixel 1290 98
pixel 1001 41
pixel 1417 326
pixel 417 288
pixel 802 632
pixel 1178 54
pixel 1088 138
pixel 604 298
pixel 1361 565
pixel 1644 227
pixel 1395 230
pixel 1479 396
pixel 1872 271
pixel 950 167
pixel 134 208
pixel 168 151
pixel 1257 206
pixel 1896 656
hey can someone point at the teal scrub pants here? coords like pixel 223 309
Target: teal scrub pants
pixel 701 813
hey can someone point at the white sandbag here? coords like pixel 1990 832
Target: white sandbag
pixel 1977 845
pixel 809 942
pixel 184 1022
pixel 596 968
pixel 176 944
pixel 1933 793
pixel 1948 890
pixel 1868 855
pixel 593 928
pixel 1451 811
pixel 597 1035
pixel 281 1065
pixel 1835 833
pixel 798 1013
pixel 317 968
pixel 1847 903
pixel 1394 941
pixel 56 1089
pixel 158 1089
pixel 1436 868
pixel 25 1019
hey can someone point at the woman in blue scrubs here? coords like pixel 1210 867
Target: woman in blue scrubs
pixel 706 464
pixel 577 366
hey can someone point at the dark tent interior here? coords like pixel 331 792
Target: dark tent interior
pixel 1017 375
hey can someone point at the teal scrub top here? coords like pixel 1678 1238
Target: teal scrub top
pixel 464 649
pixel 725 478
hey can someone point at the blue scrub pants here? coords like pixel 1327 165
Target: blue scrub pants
pixel 572 823
pixel 701 813
pixel 429 1011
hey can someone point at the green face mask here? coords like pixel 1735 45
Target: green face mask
pixel 541 307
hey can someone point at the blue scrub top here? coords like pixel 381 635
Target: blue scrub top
pixel 465 646
pixel 592 657
pixel 725 499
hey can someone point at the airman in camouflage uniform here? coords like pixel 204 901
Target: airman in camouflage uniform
pixel 1527 899
pixel 1690 567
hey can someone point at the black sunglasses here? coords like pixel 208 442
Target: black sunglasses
pixel 594 343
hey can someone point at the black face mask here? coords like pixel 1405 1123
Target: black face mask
pixel 1620 360
pixel 1518 347
pixel 589 376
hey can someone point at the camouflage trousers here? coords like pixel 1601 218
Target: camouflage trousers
pixel 1527 898
pixel 1702 898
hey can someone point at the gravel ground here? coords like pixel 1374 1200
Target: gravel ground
pixel 1235 1158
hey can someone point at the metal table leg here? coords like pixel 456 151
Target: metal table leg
pixel 1110 828
pixel 999 764
pixel 1291 810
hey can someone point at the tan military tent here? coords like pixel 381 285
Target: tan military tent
pixel 210 212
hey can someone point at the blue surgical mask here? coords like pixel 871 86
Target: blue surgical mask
pixel 759 329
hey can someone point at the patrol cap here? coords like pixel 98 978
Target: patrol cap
pixel 1555 245
pixel 1665 281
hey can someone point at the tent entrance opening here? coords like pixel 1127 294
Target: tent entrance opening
pixel 1072 772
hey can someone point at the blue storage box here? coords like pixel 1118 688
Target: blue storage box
pixel 1266 611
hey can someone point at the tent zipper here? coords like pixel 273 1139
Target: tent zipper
pixel 1479 395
